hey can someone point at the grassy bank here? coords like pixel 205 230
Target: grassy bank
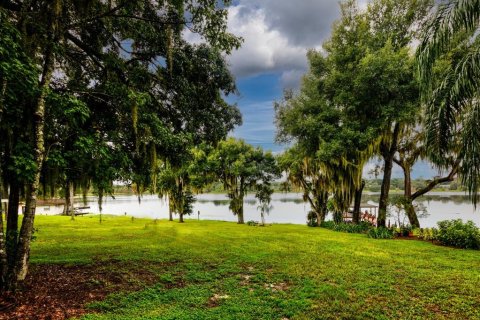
pixel 220 270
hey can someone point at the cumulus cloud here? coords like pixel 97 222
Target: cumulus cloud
pixel 304 23
pixel 265 49
pixel 278 34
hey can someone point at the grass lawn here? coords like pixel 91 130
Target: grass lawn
pixel 221 270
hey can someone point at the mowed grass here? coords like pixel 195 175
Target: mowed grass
pixel 221 270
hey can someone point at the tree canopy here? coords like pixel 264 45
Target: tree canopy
pixel 110 88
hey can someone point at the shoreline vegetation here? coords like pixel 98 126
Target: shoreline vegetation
pixel 123 269
pixel 372 186
pixel 47 201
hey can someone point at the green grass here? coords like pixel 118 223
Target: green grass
pixel 221 270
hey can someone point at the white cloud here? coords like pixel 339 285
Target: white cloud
pixel 264 49
pixel 278 34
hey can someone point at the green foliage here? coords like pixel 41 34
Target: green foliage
pixel 448 63
pixel 22 162
pixel 428 234
pixel 403 230
pixel 458 234
pixel 357 89
pixel 308 174
pixel 93 92
pixel 380 233
pixel 241 167
pixel 362 227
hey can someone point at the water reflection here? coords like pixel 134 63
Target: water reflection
pixel 287 207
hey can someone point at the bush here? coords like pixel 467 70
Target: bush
pixel 428 234
pixel 362 227
pixel 252 223
pixel 380 233
pixel 458 234
pixel 328 225
pixel 403 231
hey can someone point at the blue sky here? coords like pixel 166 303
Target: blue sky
pixel 257 94
pixel 277 35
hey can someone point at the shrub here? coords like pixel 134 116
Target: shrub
pixel 328 225
pixel 421 234
pixel 252 223
pixel 362 227
pixel 403 231
pixel 428 234
pixel 380 233
pixel 458 234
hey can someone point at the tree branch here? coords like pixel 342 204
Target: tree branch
pixel 95 56
pixel 398 162
pixel 437 181
pixel 102 15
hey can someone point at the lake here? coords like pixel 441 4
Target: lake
pixel 287 208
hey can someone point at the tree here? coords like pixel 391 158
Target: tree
pixel 117 58
pixel 174 183
pixel 307 174
pixel 371 76
pixel 411 148
pixel 264 196
pixel 451 36
pixel 386 80
pixel 357 95
pixel 241 168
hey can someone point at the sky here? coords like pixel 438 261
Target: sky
pixel 277 35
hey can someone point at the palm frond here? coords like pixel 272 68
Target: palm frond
pixel 470 156
pixel 450 19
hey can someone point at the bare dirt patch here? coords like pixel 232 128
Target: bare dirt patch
pixel 61 291
pixel 216 299
pixel 275 287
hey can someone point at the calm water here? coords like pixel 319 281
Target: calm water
pixel 287 208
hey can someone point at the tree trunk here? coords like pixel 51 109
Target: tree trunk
pixel 240 214
pixel 25 236
pixel 388 153
pixel 180 219
pixel 20 269
pixel 12 223
pixel 338 217
pixel 100 203
pixel 358 203
pixel 69 198
pixel 3 250
pixel 383 203
pixel 170 213
pixel 319 218
pixel 409 208
pixel 411 214
pixel 407 185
